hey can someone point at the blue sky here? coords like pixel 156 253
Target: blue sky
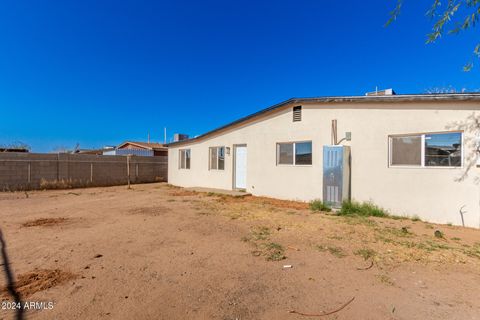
pixel 101 72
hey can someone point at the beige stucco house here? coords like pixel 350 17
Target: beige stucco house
pixel 414 155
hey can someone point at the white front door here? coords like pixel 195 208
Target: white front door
pixel 241 167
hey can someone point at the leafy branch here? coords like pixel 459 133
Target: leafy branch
pixel 449 17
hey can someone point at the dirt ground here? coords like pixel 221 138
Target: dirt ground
pixel 159 252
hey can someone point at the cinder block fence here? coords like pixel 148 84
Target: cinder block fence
pixel 27 171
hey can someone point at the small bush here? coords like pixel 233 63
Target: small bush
pixel 416 218
pixel 365 253
pixel 318 205
pixel 336 251
pixel 385 279
pixel 473 251
pixel 275 252
pixel 439 234
pixel 365 209
pixel 260 233
pixel 432 246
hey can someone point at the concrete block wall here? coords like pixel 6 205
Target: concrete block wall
pixel 26 171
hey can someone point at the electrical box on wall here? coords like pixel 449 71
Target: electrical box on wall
pixel 336 175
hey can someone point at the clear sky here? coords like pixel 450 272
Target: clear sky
pixel 100 72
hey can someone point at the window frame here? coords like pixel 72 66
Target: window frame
pixel 183 165
pixel 217 158
pixel 422 154
pixel 294 164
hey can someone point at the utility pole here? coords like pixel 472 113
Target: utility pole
pixel 165 135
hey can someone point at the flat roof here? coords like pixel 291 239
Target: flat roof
pixel 443 97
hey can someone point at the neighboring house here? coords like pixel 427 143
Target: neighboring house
pixel 139 149
pixel 411 154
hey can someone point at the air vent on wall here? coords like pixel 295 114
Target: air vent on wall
pixel 297 113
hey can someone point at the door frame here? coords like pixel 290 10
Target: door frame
pixel 234 160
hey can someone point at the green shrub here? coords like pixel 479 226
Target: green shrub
pixel 439 234
pixel 365 209
pixel 416 218
pixel 318 205
pixel 274 252
pixel 336 251
pixel 366 253
pixel 260 233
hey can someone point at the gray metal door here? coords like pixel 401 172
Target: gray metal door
pixel 336 175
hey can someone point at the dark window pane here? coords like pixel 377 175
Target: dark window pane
pixel 443 150
pixel 303 153
pixel 285 153
pixel 407 151
pixel 221 158
pixel 187 159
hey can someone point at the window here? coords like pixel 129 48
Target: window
pixel 217 158
pixel 303 153
pixel 406 151
pixel 443 150
pixel 294 153
pixel 297 113
pixel 427 150
pixel 184 160
pixel 285 153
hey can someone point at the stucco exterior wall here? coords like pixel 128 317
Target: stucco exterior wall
pixel 434 194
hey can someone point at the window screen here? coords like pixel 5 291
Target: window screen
pixel 213 159
pixel 184 159
pixel 181 159
pixel 406 151
pixel 443 150
pixel 285 153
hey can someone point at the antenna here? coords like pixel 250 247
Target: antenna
pixel 148 137
pixel 165 135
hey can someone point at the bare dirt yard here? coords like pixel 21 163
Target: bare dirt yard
pixel 159 252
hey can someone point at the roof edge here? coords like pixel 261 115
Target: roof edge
pixel 136 143
pixel 338 99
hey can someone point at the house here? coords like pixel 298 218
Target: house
pixel 414 155
pixel 139 149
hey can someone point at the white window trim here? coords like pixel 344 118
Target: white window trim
pixel 218 158
pixel 180 159
pixel 422 165
pixel 294 152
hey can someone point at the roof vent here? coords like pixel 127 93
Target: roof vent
pixel 385 92
pixel 297 113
